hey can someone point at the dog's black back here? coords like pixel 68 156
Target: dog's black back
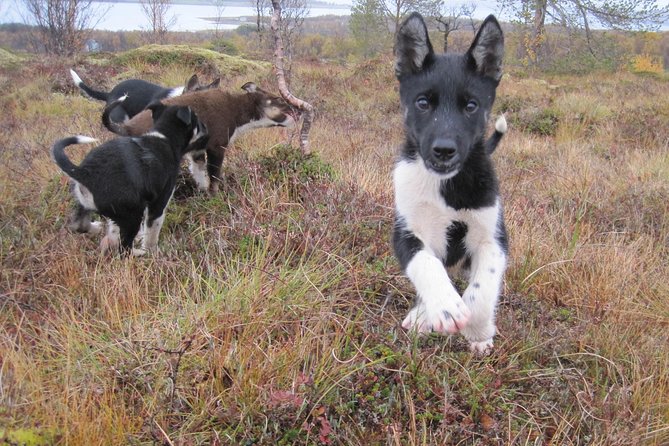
pixel 138 93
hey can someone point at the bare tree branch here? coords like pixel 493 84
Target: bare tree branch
pixel 157 13
pixel 62 25
pixel 306 108
pixel 451 20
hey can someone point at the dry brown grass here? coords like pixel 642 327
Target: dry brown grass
pixel 271 314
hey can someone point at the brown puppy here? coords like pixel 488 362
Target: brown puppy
pixel 226 115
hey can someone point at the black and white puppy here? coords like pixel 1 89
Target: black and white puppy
pixel 131 180
pixel 447 202
pixel 139 94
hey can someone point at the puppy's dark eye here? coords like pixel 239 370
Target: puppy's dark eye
pixel 471 106
pixel 422 103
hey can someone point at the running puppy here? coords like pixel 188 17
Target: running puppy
pixel 448 211
pixel 139 94
pixel 129 180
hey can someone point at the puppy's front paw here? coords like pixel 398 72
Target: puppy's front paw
pixel 444 316
pixel 481 348
pixel 109 244
pixel 213 187
pixel 95 228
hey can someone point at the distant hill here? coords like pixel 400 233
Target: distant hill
pixel 243 3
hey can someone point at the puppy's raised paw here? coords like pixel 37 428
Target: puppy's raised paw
pixel 442 317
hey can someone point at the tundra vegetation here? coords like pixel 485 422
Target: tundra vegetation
pixel 272 313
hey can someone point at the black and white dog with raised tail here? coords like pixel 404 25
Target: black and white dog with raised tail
pixel 447 203
pixel 130 180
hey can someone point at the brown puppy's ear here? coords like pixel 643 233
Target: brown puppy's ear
pixel 157 108
pixel 250 87
pixel 185 115
pixel 192 84
pixel 487 50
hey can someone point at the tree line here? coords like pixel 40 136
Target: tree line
pixel 374 22
pixel 541 28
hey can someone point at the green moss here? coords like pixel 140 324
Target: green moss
pixel 9 60
pixel 197 58
pixel 544 121
pixel 26 437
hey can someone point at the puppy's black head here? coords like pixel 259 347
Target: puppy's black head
pixel 446 98
pixel 179 120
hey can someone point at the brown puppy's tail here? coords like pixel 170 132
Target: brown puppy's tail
pixel 114 127
pixel 500 129
pixel 60 158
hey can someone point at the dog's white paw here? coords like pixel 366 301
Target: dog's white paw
pixel 95 227
pixel 444 316
pixel 138 252
pixel 108 244
pixel 481 348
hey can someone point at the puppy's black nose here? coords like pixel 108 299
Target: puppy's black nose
pixel 444 149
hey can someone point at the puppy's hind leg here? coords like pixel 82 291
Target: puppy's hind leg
pixel 128 228
pixel 80 221
pixel 155 217
pixel 110 242
pixel 121 233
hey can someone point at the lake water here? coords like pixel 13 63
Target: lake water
pixel 129 16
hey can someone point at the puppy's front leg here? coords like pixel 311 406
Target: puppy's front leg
pixel 438 307
pixel 197 165
pixel 487 271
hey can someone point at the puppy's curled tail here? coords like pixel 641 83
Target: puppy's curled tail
pixel 95 94
pixel 60 158
pixel 112 126
pixel 500 129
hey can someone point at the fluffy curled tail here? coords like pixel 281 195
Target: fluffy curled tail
pixel 60 158
pixel 114 127
pixel 500 129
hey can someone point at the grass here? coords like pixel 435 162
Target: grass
pixel 271 314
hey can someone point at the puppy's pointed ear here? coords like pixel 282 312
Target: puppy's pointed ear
pixel 487 50
pixel 157 108
pixel 250 87
pixel 185 115
pixel 412 46
pixel 193 83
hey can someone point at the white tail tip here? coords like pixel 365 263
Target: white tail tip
pixel 500 124
pixel 75 77
pixel 85 139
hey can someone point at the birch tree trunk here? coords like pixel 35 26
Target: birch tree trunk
pixel 306 108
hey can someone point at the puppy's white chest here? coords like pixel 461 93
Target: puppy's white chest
pixel 419 203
